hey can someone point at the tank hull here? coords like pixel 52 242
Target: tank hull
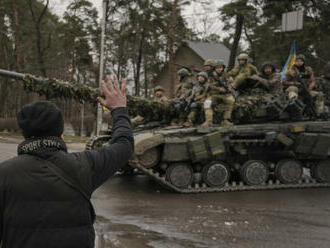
pixel 237 158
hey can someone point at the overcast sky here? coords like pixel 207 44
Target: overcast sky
pixel 201 18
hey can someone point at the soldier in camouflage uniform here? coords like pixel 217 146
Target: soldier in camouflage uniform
pixel 270 91
pixel 159 95
pixel 184 85
pixel 219 71
pixel 208 67
pixel 182 91
pixel 301 74
pixel 269 79
pixel 260 95
pixel 219 97
pixel 242 71
pixel 197 98
pixel 157 113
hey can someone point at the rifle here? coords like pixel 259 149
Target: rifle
pixel 222 84
pixel 190 99
pixel 307 96
pixel 235 93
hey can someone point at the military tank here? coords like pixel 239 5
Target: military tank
pixel 265 156
pixel 244 157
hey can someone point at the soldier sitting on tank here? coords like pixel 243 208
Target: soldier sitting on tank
pixel 182 91
pixel 269 80
pixel 241 72
pixel 184 83
pixel 299 83
pixel 208 67
pixel 158 97
pixel 197 97
pixel 219 97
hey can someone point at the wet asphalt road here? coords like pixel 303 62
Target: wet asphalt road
pixel 133 211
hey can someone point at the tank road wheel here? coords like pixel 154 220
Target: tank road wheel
pixel 254 172
pixel 288 171
pixel 180 175
pixel 321 171
pixel 150 158
pixel 216 174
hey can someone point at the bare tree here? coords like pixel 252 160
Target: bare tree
pixel 37 19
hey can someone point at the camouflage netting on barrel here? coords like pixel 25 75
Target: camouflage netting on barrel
pixel 54 88
pixel 149 110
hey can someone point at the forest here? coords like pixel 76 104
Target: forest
pixel 141 38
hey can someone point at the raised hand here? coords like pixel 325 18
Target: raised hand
pixel 115 96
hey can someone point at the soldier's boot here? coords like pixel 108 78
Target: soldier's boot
pixel 208 118
pixel 227 114
pixel 226 123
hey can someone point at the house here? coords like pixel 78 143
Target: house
pixel 192 54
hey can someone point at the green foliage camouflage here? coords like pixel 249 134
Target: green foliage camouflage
pixel 54 88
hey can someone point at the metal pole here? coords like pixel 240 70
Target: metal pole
pixel 82 119
pixel 99 107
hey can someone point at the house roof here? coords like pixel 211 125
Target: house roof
pixel 210 50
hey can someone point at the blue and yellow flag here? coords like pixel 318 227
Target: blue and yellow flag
pixel 290 61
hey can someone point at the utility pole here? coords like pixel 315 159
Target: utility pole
pixel 99 107
pixel 171 45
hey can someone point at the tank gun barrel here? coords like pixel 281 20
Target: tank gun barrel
pixel 54 88
pixel 12 74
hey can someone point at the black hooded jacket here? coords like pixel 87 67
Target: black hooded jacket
pixel 38 209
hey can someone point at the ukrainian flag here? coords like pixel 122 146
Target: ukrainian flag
pixel 290 61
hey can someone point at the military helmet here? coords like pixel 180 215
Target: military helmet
pixel 183 72
pixel 210 62
pixel 203 74
pixel 159 88
pixel 220 62
pixel 268 63
pixel 301 56
pixel 243 56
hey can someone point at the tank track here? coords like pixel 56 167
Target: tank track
pixel 228 187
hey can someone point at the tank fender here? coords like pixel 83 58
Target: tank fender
pixel 145 141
